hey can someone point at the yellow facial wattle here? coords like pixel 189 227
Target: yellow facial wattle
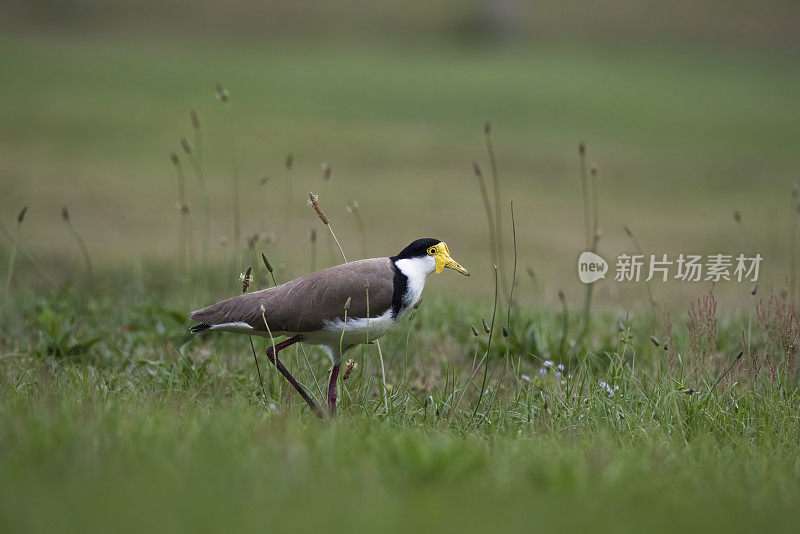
pixel 441 254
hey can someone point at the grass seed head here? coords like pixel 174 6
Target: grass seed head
pixel 173 157
pixel 347 303
pixel 485 326
pixel 246 279
pixel 266 262
pixel 655 341
pixel 505 332
pixel 737 216
pixel 326 171
pixel 289 161
pixel 313 235
pixel 349 367
pixel 195 119
pixel 222 94
pixel 65 214
pixel 185 145
pixel 487 127
pixel 352 206
pixel 477 169
pixel 474 331
pixel 264 179
pixel 314 201
pixel 581 148
pixel 21 216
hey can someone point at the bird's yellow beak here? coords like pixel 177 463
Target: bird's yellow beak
pixel 443 260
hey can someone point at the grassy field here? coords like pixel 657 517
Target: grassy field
pixel 113 417
pixel 681 140
pixel 681 415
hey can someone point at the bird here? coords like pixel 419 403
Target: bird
pixel 336 308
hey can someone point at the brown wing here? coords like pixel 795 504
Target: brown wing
pixel 303 305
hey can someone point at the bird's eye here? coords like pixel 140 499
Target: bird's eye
pixel 432 251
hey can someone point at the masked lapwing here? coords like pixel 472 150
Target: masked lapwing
pixel 377 293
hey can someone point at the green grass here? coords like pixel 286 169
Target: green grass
pixel 113 414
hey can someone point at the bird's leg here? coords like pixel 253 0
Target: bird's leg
pixel 332 389
pixel 285 372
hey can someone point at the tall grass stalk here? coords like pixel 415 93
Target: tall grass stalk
pixel 17 244
pixel 344 326
pixel 595 229
pixel 587 211
pixel 352 207
pixel 268 265
pixel 793 243
pixel 13 254
pixel 275 383
pixel 498 208
pixel 639 251
pixel 195 156
pixel 380 357
pixel 487 207
pixel 564 323
pixel 258 370
pixel 224 97
pixel 288 165
pixel 314 200
pixel 87 259
pixel 513 278
pixel 488 350
pixel 183 210
pixel 313 239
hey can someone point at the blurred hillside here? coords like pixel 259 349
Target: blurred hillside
pixel 715 22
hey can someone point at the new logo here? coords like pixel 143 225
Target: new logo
pixel 591 267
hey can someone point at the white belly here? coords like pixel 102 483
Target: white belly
pixel 351 332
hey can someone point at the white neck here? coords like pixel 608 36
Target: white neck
pixel 417 271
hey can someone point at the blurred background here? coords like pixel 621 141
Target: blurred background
pixel 689 111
